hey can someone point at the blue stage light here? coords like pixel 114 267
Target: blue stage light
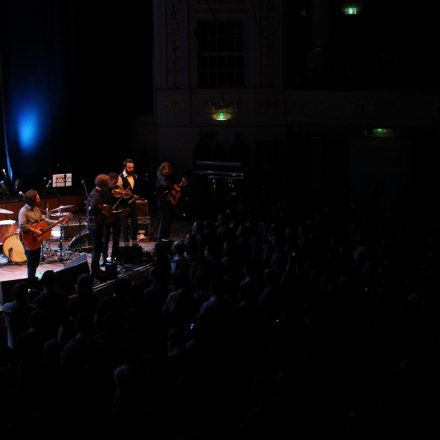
pixel 28 128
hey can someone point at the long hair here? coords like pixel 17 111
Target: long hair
pixel 162 166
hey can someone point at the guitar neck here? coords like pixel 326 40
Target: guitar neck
pixel 52 225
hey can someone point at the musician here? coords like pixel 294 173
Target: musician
pixel 97 217
pixel 29 217
pixel 164 185
pixel 112 229
pixel 128 181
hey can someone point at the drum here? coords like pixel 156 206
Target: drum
pixel 7 227
pixel 13 248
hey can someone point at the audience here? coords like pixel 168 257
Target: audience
pixel 316 317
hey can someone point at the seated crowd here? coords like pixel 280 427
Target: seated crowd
pixel 309 316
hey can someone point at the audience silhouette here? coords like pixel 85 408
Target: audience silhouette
pixel 315 316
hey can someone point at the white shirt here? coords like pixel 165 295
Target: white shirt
pixel 129 178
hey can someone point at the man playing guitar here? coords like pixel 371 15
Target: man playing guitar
pixel 129 219
pixel 168 194
pixel 33 229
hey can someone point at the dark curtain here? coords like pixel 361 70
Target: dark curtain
pixel 75 73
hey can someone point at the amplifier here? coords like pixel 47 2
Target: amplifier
pixel 72 229
pixel 142 208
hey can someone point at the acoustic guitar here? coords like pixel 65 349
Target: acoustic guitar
pixel 174 195
pixel 31 241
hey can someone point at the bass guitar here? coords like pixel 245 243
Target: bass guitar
pixel 174 195
pixel 32 241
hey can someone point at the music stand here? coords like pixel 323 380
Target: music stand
pixel 62 180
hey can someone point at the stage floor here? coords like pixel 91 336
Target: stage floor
pixel 54 259
pixel 13 271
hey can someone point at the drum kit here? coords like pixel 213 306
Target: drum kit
pixel 13 248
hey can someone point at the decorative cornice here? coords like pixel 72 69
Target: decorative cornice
pixel 173 42
pixel 296 107
pixel 269 30
pixel 394 108
pixel 175 105
pixel 222 103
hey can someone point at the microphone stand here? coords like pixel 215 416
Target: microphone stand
pixel 60 244
pixel 83 181
pixel 81 245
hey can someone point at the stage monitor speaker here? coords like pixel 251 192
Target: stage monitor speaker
pixel 6 288
pixel 111 271
pixel 66 278
pixel 131 254
pixel 79 260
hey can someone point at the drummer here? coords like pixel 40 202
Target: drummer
pixel 29 217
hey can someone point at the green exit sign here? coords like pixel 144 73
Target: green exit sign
pixel 351 10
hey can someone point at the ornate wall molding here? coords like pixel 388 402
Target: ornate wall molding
pixel 213 6
pixel 175 105
pixel 174 25
pixel 222 103
pixel 269 103
pixel 293 107
pixel 269 41
pixel 376 108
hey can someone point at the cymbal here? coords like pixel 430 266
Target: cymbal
pixel 60 208
pixel 5 211
pixel 59 214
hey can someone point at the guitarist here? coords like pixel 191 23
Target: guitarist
pixel 29 217
pixel 165 184
pixel 97 218
pixel 129 219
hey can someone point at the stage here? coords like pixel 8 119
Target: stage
pixel 68 252
pixel 69 265
pixel 12 270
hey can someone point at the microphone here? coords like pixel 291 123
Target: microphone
pixel 4 172
pixel 48 183
pixel 20 193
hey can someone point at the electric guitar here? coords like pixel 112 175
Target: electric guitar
pixel 174 195
pixel 32 241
